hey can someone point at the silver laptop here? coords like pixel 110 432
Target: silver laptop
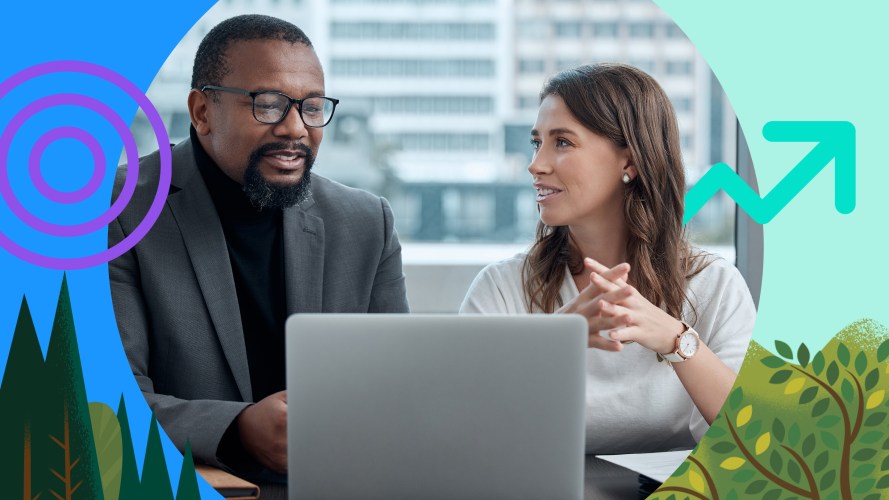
pixel 426 407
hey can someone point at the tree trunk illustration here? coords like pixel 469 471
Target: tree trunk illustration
pixel 65 445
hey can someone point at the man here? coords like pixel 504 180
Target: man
pixel 247 236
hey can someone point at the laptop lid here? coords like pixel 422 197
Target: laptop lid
pixel 415 406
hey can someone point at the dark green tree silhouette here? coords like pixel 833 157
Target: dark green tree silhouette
pixel 21 398
pixel 188 479
pixel 130 488
pixel 69 452
pixel 155 477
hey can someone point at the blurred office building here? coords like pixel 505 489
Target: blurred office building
pixel 438 98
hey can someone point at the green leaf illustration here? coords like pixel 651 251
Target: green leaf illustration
pixel 732 495
pixel 753 429
pixel 809 444
pixel 886 444
pixel 873 377
pixel 783 349
pixel 828 479
pixel 865 485
pixel 828 421
pixel 883 351
pixel 773 494
pixel 743 476
pixel 802 354
pixel 723 447
pixel 778 429
pixel 883 483
pixel 860 363
pixel 756 486
pixel 776 462
pixel 830 440
pixel 735 398
pixel 820 407
pixel 818 363
pixel 682 468
pixel 864 470
pixel 870 437
pixel 109 451
pixel 833 371
pixel 847 391
pixel 780 377
pixel 808 395
pixel 794 471
pixel 872 496
pixel 864 455
pixel 885 465
pixel 793 434
pixel 773 362
pixel 821 461
pixel 716 432
pixel 875 419
pixel 843 354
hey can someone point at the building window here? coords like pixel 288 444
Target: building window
pixel 605 29
pixel 412 31
pixel 413 68
pixel 532 66
pixel 533 29
pixel 679 67
pixel 641 30
pixel 439 141
pixel 674 31
pixel 571 29
pixel 433 105
pixel 682 104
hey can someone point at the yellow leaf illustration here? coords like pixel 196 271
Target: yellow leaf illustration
pixel 732 463
pixel 762 444
pixel 696 481
pixel 744 415
pixel 794 385
pixel 875 399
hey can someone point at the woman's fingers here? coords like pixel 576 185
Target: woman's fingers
pixel 617 274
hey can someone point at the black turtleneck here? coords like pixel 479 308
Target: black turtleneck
pixel 256 252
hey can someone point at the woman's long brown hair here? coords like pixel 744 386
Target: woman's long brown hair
pixel 628 107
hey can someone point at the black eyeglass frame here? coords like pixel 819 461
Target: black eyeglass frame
pixel 290 103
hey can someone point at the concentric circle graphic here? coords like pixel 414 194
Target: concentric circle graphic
pixel 100 166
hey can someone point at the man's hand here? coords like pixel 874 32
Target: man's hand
pixel 263 431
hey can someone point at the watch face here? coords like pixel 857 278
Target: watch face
pixel 688 344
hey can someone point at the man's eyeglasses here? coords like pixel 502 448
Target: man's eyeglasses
pixel 271 107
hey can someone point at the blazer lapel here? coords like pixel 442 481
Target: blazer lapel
pixel 201 230
pixel 303 259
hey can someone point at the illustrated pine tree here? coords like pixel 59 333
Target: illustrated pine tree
pixel 155 477
pixel 21 401
pixel 188 479
pixel 130 487
pixel 69 453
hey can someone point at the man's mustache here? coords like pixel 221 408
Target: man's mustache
pixel 278 146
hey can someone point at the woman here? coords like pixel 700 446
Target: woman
pixel 610 246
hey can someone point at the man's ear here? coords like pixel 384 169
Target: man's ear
pixel 199 110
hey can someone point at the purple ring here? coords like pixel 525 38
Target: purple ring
pixel 165 174
pixel 129 145
pixel 67 197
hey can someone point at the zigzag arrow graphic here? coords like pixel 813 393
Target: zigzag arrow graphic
pixel 836 141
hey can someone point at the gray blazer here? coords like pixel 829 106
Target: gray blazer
pixel 175 301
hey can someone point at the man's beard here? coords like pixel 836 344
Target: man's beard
pixel 264 194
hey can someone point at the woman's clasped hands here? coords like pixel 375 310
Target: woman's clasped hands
pixel 618 314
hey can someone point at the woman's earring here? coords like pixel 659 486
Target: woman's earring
pixel 626 178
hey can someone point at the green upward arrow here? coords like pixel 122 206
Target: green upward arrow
pixel 836 141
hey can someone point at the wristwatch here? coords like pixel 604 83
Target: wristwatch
pixel 687 344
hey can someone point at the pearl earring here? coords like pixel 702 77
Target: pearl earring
pixel 626 178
